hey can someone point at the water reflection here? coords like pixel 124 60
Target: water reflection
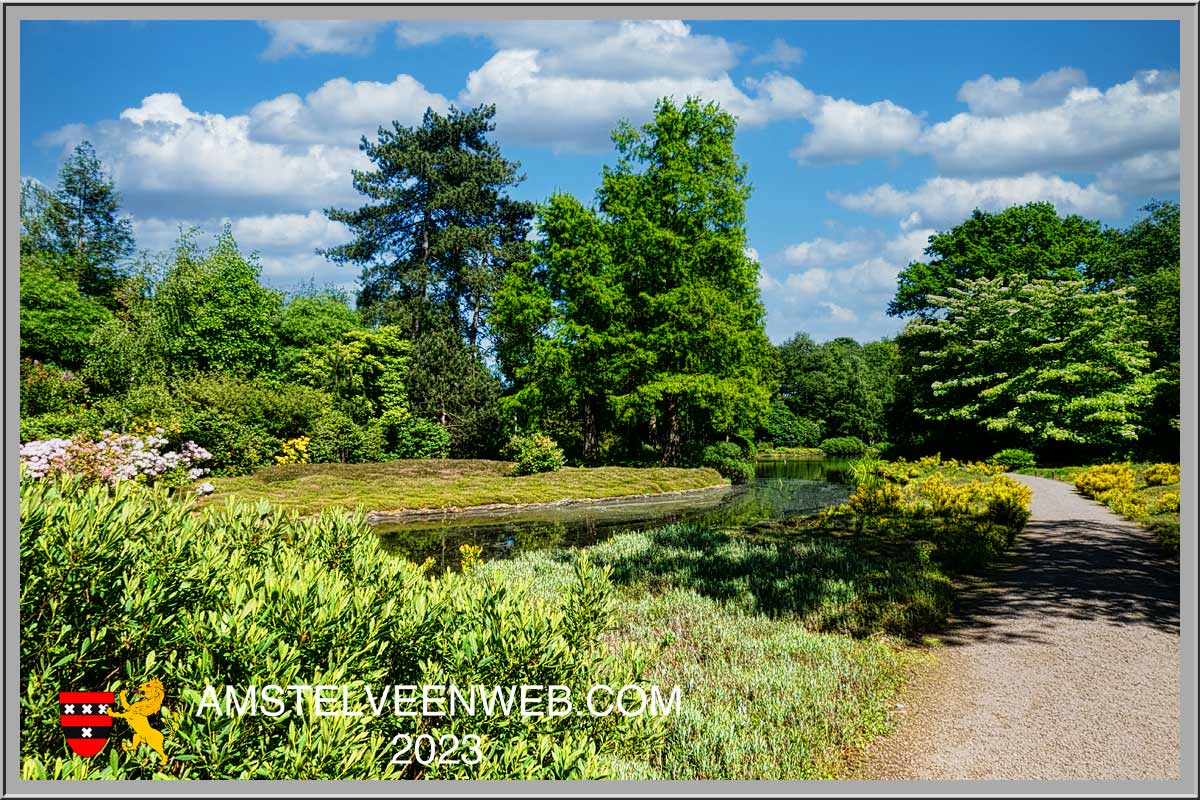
pixel 782 488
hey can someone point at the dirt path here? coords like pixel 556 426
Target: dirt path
pixel 1063 664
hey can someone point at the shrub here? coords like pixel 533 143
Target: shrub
pixel 876 500
pixel 237 448
pixel 295 451
pixel 336 439
pixel 1014 459
pixel 406 436
pixel 61 424
pixel 1095 481
pixel 112 459
pixel 535 452
pixel 120 587
pixel 844 446
pixel 1168 504
pixel 45 388
pixel 786 429
pixel 728 459
pixel 1161 474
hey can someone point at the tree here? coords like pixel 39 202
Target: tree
pixel 312 319
pixel 676 203
pixel 56 320
pixel 1030 240
pixel 1037 363
pixel 80 220
pixel 438 233
pixel 213 313
pixel 563 325
pixel 846 386
pixel 1145 257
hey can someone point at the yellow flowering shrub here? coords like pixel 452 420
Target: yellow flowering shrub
pixel 295 451
pixel 1095 481
pixel 1168 504
pixel 872 501
pixel 1162 474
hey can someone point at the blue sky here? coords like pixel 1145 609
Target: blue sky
pixel 862 138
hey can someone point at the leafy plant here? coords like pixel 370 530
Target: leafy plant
pixel 844 446
pixel 730 460
pixel 535 452
pixel 1014 459
pixel 1161 474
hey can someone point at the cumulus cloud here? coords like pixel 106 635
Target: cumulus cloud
pixel 781 54
pixel 848 132
pixel 1087 130
pixel 839 313
pixel 311 36
pixel 341 111
pixel 1154 173
pixel 823 251
pixel 944 201
pixel 168 159
pixel 987 96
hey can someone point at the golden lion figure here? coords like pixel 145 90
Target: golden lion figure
pixel 151 701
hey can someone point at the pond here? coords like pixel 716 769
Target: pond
pixel 781 488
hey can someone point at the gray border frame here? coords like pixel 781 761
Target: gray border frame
pixel 1186 14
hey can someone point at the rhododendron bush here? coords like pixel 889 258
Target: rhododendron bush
pixel 114 458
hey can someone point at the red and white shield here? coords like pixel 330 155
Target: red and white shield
pixel 85 720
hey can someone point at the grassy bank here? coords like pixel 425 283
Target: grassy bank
pixel 446 483
pixel 1144 493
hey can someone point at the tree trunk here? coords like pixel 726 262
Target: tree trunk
pixel 590 433
pixel 672 439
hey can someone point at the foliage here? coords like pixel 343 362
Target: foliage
pixel 57 320
pixel 365 371
pixel 728 459
pixel 535 452
pixel 337 439
pixel 439 231
pixel 785 429
pixel 46 388
pixel 312 320
pixel 642 317
pixel 120 587
pixel 846 386
pixel 1014 459
pixel 214 314
pixel 844 446
pixel 79 222
pixel 1036 361
pixel 1161 474
pixel 406 436
pixel 112 459
pixel 1030 241
pixel 448 383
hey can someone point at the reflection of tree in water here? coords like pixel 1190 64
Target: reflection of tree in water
pixel 783 488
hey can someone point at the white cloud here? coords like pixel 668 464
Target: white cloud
pixel 781 53
pixel 1154 173
pixel 1088 130
pixel 580 113
pixel 839 313
pixel 309 36
pixel 988 96
pixel 303 232
pixel 945 201
pixel 846 131
pixel 341 111
pixel 168 159
pixel 824 252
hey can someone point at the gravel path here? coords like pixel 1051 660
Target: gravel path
pixel 1064 663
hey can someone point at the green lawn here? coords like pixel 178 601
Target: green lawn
pixel 446 483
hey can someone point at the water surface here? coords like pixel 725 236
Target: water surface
pixel 781 488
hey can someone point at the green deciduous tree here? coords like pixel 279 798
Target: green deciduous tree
pixel 212 311
pixel 57 321
pixel 439 231
pixel 676 202
pixel 1030 240
pixel 1035 362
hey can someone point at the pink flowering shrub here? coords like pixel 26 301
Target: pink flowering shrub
pixel 114 458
